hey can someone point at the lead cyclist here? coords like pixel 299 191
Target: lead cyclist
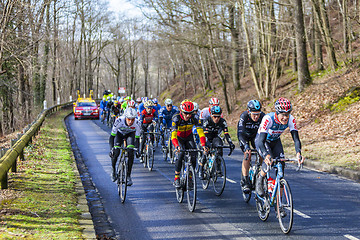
pixel 268 142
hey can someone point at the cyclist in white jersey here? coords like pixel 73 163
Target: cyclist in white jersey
pixel 268 141
pixel 125 128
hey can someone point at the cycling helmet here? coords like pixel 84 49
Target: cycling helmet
pixel 187 106
pixel 168 101
pixel 131 103
pixel 145 99
pixel 104 98
pixel 138 100
pixel 196 106
pixel 130 113
pixel 155 101
pixel 113 98
pixel 109 91
pixel 116 103
pixel 148 103
pixel 214 101
pixel 283 105
pixel 216 111
pixel 121 100
pixel 128 98
pixel 109 98
pixel 254 106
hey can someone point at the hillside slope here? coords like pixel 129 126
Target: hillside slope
pixel 327 113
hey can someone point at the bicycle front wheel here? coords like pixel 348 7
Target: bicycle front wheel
pixel 122 180
pixel 219 176
pixel 180 191
pixel 191 188
pixel 284 206
pixel 150 156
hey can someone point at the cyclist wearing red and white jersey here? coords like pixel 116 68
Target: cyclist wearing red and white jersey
pixel 268 142
pixel 206 112
pixel 182 136
pixel 125 128
pixel 147 117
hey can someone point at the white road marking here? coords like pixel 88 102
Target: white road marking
pixel 229 180
pixel 301 214
pixel 351 237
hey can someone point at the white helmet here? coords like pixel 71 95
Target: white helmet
pixel 168 101
pixel 130 113
pixel 149 103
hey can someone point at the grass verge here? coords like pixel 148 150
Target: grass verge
pixel 41 202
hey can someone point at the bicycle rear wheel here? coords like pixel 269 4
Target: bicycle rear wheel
pixel 206 181
pixel 284 206
pixel 191 188
pixel 219 176
pixel 122 180
pixel 150 156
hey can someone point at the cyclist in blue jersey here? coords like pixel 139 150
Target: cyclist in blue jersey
pixel 103 109
pixel 268 141
pixel 165 115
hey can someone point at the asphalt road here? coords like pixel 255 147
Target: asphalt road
pixel 326 206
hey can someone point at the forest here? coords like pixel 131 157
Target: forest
pixel 49 49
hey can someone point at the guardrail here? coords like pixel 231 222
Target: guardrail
pixel 9 156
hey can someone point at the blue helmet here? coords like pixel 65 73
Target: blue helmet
pixel 145 99
pixel 216 110
pixel 254 106
pixel 155 101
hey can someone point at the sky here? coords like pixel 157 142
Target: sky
pixel 125 7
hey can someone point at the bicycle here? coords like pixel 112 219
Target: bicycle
pixel 187 181
pixel 253 171
pixel 277 195
pixel 215 170
pixel 121 171
pixel 167 149
pixel 148 157
pixel 103 116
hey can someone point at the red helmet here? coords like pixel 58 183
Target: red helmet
pixel 214 101
pixel 283 105
pixel 187 106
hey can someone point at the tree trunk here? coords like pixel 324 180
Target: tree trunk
pixel 303 68
pixel 235 49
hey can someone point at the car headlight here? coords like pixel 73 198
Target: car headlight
pixel 96 111
pixel 78 111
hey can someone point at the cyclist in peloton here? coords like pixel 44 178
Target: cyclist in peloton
pixel 115 109
pixel 206 112
pixel 108 107
pixel 103 105
pixel 213 126
pixel 125 128
pixel 165 116
pixel 248 126
pixel 268 141
pixel 147 117
pixel 182 136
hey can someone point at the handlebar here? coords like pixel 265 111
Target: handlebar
pixel 277 160
pixel 231 149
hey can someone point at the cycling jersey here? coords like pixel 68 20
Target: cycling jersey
pixel 272 126
pixel 166 115
pixel 247 129
pixel 146 118
pixel 212 129
pixel 103 104
pixel 268 136
pixel 140 108
pixel 124 105
pixel 115 110
pixel 121 126
pixel 157 108
pixel 183 129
